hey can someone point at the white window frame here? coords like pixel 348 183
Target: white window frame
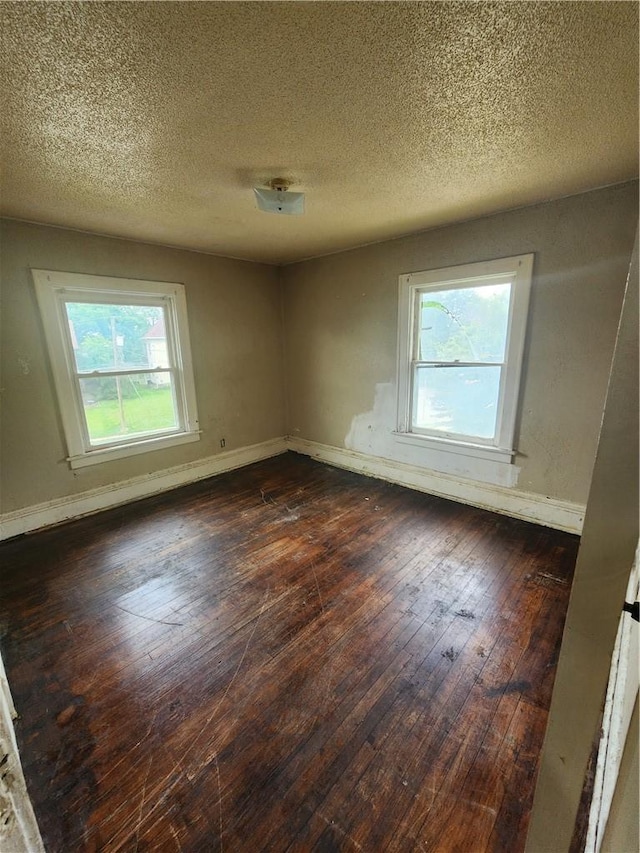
pixel 53 290
pixel 518 271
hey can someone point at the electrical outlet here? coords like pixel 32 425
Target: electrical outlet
pixel 222 442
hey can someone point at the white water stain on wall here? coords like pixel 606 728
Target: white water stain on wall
pixel 372 433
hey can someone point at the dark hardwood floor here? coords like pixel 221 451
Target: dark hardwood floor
pixel 288 657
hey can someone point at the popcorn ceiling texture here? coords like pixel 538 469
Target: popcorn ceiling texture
pixel 153 121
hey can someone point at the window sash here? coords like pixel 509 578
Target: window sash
pixel 96 297
pixel 439 287
pixel 436 364
pixel 135 371
pixel 486 281
pixel 412 287
pixel 449 434
pixel 71 297
pixel 91 444
pixel 54 290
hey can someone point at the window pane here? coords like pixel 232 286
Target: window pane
pixel 128 406
pixel 105 337
pixel 464 324
pixel 460 400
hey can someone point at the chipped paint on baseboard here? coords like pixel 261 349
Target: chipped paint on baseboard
pixel 114 494
pixel 529 506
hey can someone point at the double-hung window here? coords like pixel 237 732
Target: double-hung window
pixel 121 363
pixel 461 342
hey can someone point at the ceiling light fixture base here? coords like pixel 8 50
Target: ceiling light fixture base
pixel 278 199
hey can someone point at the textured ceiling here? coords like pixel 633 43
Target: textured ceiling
pixel 153 121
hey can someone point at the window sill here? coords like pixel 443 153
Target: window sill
pixel 446 445
pixel 107 454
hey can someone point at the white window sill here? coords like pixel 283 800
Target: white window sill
pixel 447 445
pixel 107 454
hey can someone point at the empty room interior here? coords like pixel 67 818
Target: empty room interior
pixel 319 427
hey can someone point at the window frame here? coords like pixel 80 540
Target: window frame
pixel 53 290
pixel 518 270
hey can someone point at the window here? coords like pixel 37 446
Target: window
pixel 461 339
pixel 121 362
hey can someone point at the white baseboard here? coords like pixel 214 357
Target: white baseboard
pixel 85 503
pixel 528 506
pixel 539 509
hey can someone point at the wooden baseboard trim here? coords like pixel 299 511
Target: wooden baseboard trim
pixel 547 511
pixel 62 509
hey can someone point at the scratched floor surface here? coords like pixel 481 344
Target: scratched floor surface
pixel 288 657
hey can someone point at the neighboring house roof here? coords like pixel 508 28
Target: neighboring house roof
pixel 157 331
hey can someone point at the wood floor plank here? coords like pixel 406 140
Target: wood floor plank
pixel 288 657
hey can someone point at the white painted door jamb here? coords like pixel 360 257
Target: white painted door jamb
pixel 19 831
pixel 622 691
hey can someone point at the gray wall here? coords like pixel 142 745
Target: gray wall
pixel 340 342
pixel 607 548
pixel 341 315
pixel 235 321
